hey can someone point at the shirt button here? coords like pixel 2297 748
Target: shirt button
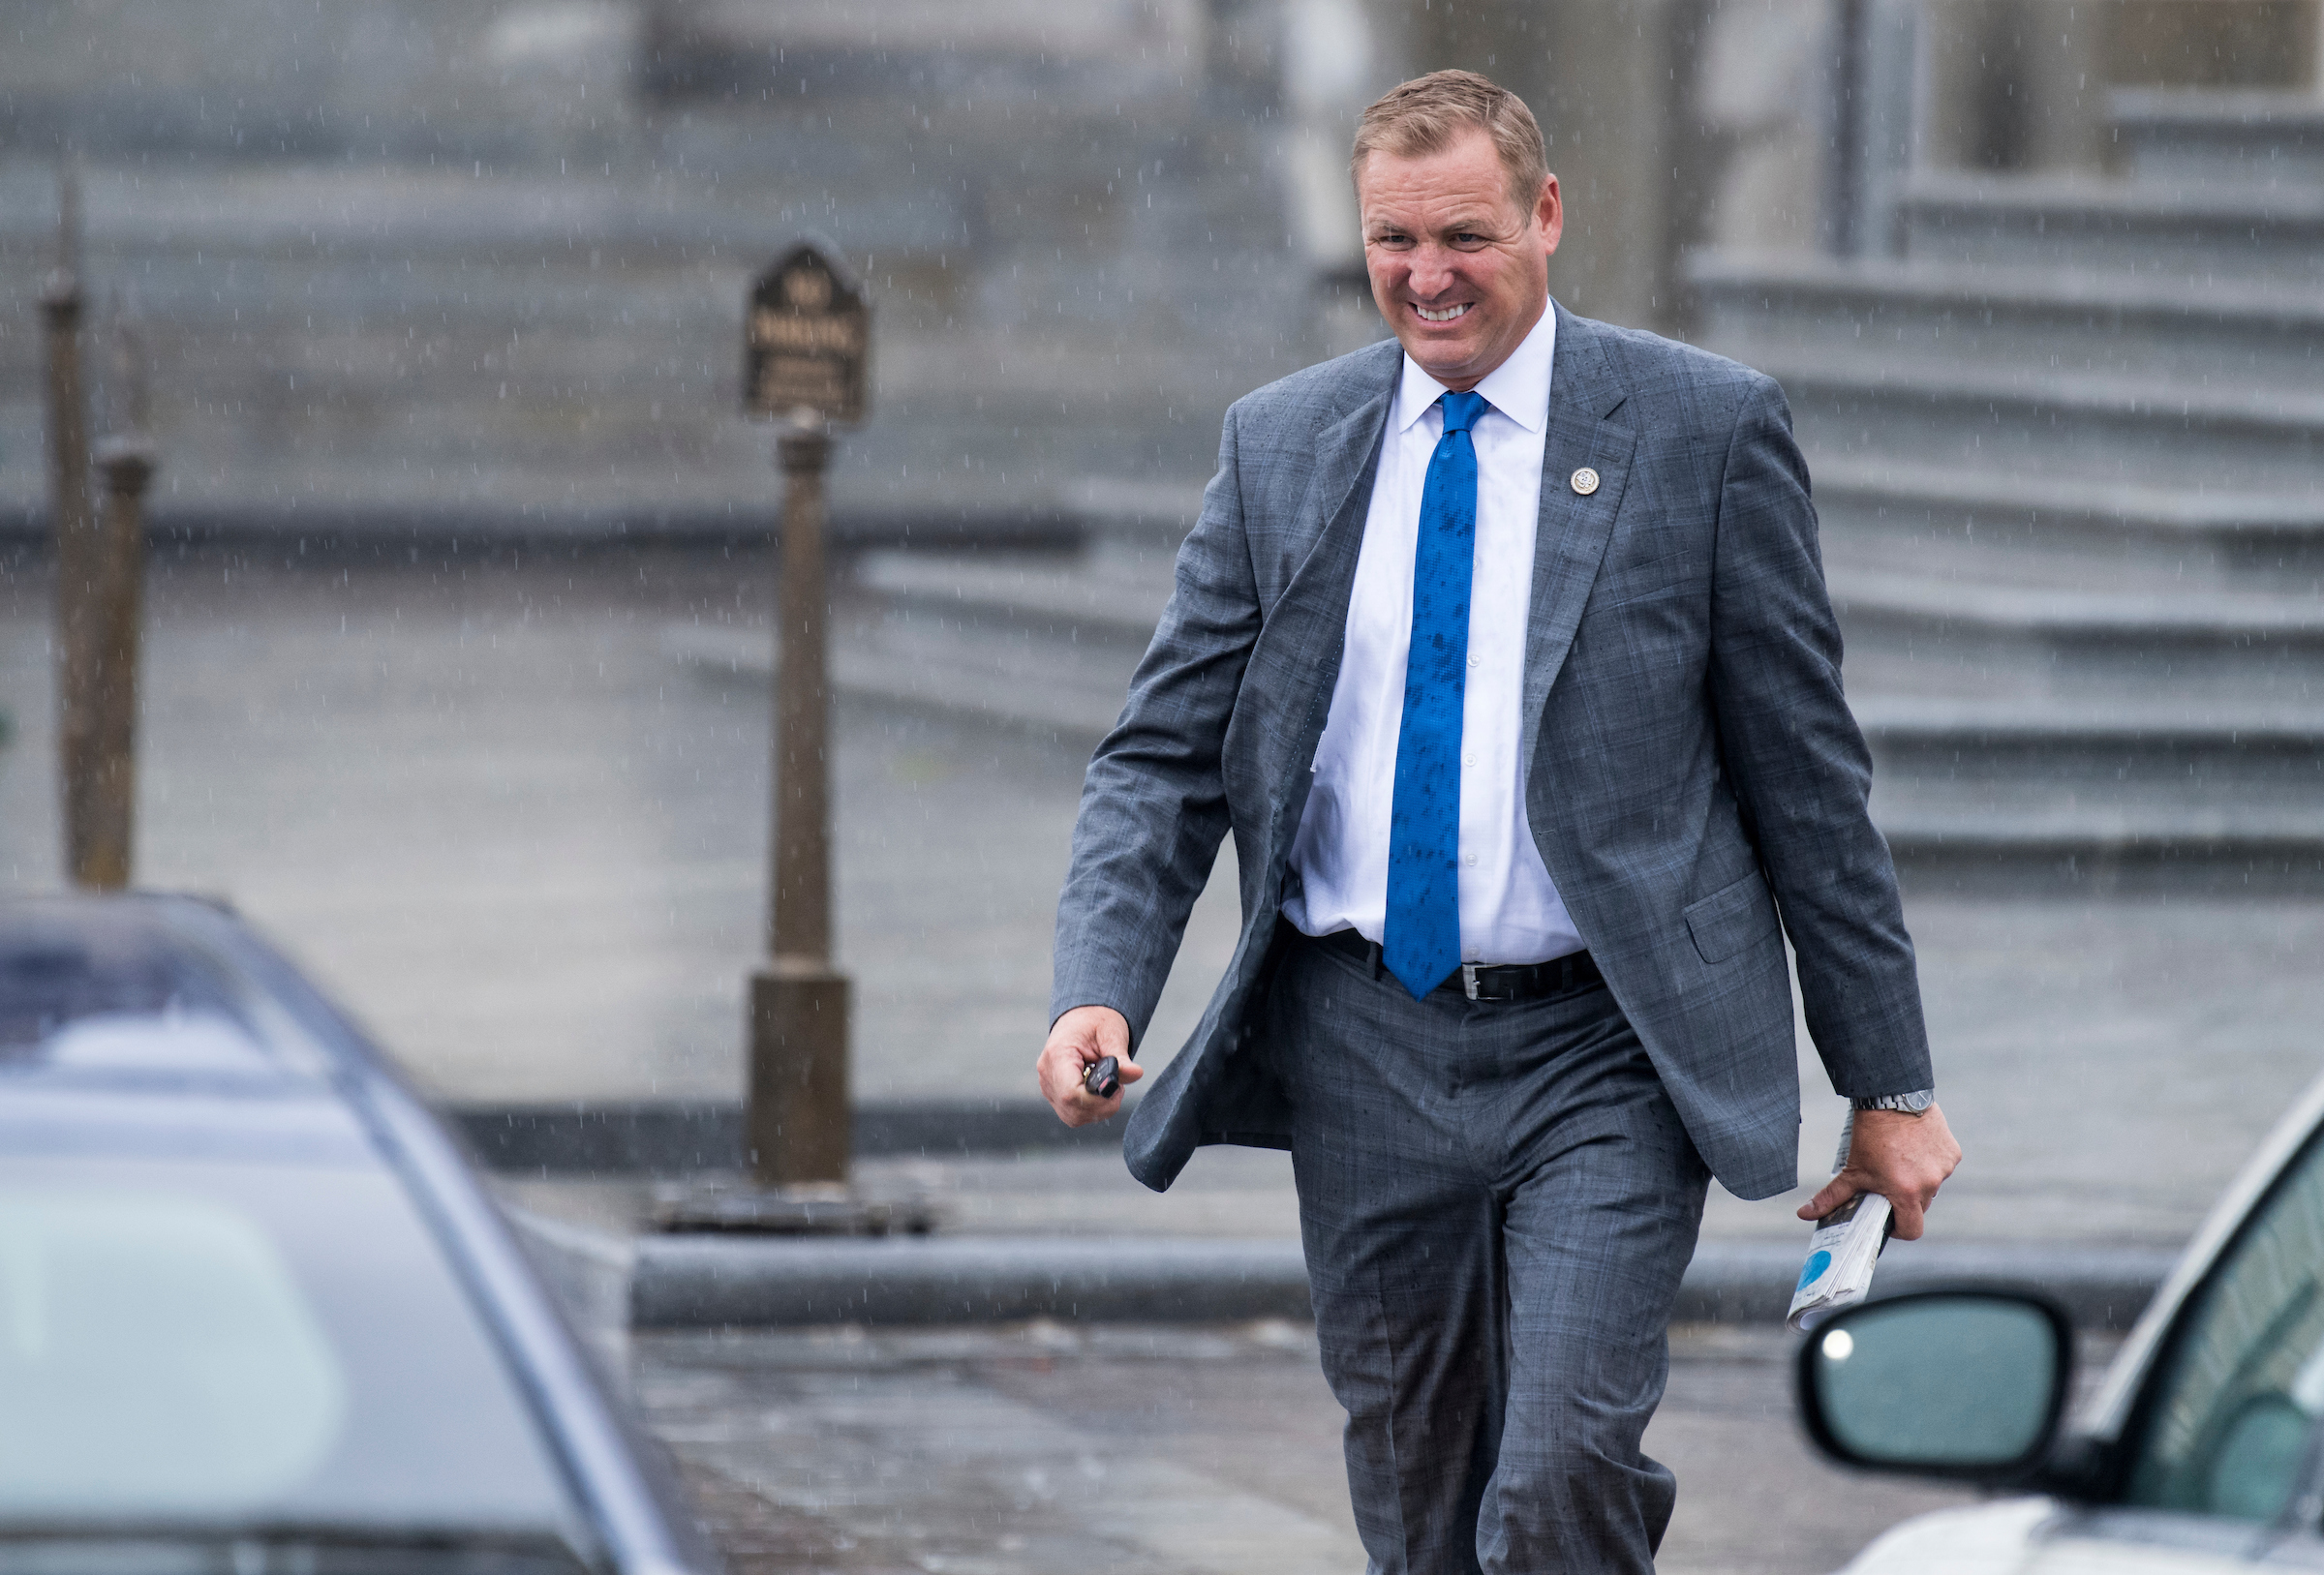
pixel 1474 660
pixel 1469 759
pixel 1470 859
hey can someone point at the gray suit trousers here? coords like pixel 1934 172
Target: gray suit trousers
pixel 1497 1201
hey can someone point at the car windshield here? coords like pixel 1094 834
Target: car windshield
pixel 58 974
pixel 279 1351
pixel 2227 1424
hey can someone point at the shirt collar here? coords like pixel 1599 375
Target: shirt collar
pixel 1518 387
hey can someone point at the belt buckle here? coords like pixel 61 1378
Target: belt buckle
pixel 1468 978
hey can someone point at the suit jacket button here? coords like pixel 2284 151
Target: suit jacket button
pixel 1585 481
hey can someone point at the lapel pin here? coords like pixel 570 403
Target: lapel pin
pixel 1585 481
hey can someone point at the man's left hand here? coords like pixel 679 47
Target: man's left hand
pixel 1903 1157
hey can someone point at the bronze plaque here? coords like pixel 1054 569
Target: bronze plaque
pixel 808 340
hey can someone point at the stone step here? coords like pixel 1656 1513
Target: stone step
pixel 1935 522
pixel 1963 789
pixel 1136 524
pixel 2232 856
pixel 2093 851
pixel 2195 233
pixel 1067 598
pixel 1881 314
pixel 1908 634
pixel 1024 681
pixel 1948 522
pixel 2010 729
pixel 2059 425
pixel 1044 621
pixel 439 344
pixel 2128 758
pixel 2249 135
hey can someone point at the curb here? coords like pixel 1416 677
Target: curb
pixel 698 1282
pixel 679 1138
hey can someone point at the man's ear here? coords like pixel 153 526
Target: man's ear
pixel 1551 213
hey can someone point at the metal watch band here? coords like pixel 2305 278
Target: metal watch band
pixel 1912 1103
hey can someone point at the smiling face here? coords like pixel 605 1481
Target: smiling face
pixel 1460 269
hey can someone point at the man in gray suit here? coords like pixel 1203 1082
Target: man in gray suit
pixel 1504 652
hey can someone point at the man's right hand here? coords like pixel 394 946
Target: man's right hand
pixel 1080 1040
pixel 1903 1157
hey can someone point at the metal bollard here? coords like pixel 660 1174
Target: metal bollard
pixel 805 360
pixel 108 832
pixel 799 1116
pixel 77 535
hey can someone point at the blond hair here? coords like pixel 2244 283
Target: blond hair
pixel 1425 115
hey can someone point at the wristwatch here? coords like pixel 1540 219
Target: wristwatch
pixel 1916 1103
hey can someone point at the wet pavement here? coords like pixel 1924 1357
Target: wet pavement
pixel 488 807
pixel 1159 1451
pixel 528 846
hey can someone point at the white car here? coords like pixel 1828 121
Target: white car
pixel 2199 1454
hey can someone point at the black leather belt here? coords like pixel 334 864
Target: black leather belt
pixel 1482 981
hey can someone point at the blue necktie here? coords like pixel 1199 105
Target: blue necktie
pixel 1422 942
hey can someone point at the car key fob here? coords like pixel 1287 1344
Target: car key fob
pixel 1103 1079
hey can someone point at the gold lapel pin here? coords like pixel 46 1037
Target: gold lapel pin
pixel 1585 481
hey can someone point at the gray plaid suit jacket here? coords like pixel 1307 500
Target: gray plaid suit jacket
pixel 1696 782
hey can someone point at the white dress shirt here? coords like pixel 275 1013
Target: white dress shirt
pixel 1509 909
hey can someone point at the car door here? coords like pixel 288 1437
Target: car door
pixel 2221 1463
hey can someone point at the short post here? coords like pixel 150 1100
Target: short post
pixel 800 1114
pixel 116 619
pixel 68 511
pixel 806 362
pixel 805 353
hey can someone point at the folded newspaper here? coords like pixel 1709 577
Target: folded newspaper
pixel 1841 1252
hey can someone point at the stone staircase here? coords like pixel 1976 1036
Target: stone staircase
pixel 442 354
pixel 433 310
pixel 2068 448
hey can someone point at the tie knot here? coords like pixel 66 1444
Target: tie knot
pixel 1463 410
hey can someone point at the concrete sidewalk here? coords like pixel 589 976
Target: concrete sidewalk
pixel 1060 1449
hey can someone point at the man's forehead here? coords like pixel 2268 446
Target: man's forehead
pixel 1429 204
pixel 1461 183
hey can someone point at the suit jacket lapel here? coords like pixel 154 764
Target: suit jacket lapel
pixel 1306 632
pixel 1585 393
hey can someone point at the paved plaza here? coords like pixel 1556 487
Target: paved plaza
pixel 527 845
pixel 485 803
pixel 1162 1451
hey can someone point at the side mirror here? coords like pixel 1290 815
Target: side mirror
pixel 1960 1384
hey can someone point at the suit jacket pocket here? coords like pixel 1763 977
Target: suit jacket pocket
pixel 1661 592
pixel 1732 919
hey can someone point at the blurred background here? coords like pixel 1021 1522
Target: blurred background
pixel 458 652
